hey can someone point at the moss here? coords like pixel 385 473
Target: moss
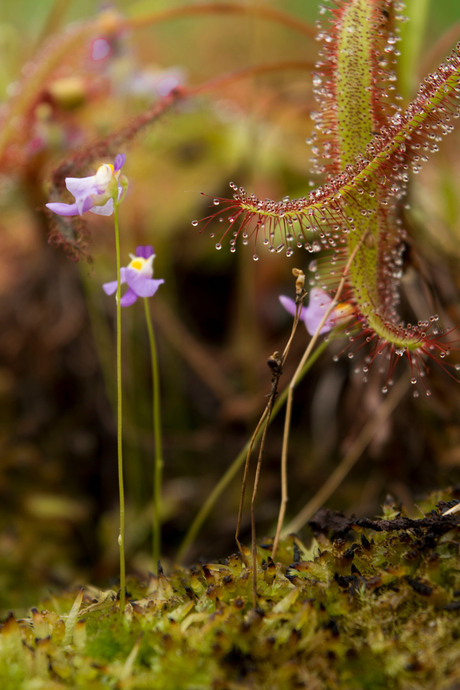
pixel 365 604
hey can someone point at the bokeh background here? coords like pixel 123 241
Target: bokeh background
pixel 217 318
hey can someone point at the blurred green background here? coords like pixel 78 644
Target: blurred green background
pixel 217 317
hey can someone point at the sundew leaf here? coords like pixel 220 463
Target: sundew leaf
pixel 357 84
pixel 354 80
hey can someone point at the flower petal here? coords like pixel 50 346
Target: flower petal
pixel 63 209
pixel 288 304
pixel 145 251
pixel 318 305
pixel 152 286
pixel 128 298
pixel 81 186
pixel 81 205
pixel 104 210
pixel 111 287
pixel 143 285
pixel 313 314
pixel 119 162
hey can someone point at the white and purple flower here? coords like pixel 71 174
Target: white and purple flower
pixel 318 305
pixel 98 193
pixel 138 275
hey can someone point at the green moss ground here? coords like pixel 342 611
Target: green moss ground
pixel 367 604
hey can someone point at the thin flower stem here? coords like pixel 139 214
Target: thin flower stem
pixel 158 468
pixel 290 396
pixel 121 536
pixel 253 503
pixel 234 468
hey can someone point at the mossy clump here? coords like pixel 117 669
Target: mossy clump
pixel 366 604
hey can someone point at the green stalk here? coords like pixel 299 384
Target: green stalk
pixel 121 536
pixel 236 465
pixel 158 469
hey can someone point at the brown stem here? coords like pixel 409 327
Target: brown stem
pixel 244 482
pixel 224 8
pixel 276 363
pixel 126 133
pixel 244 72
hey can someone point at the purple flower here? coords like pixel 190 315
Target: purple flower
pixel 313 314
pixel 100 49
pixel 138 274
pixel 155 82
pixel 98 193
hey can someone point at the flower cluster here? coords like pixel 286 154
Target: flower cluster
pixel 101 193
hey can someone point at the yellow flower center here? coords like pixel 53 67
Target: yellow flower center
pixel 104 174
pixel 137 263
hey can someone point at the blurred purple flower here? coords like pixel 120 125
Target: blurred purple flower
pixel 312 315
pixel 153 82
pixel 97 193
pixel 100 49
pixel 138 275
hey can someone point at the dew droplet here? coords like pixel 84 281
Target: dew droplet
pixel 194 223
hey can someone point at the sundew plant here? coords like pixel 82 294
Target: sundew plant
pixel 366 144
pixel 337 119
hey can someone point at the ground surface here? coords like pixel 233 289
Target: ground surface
pixel 367 604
